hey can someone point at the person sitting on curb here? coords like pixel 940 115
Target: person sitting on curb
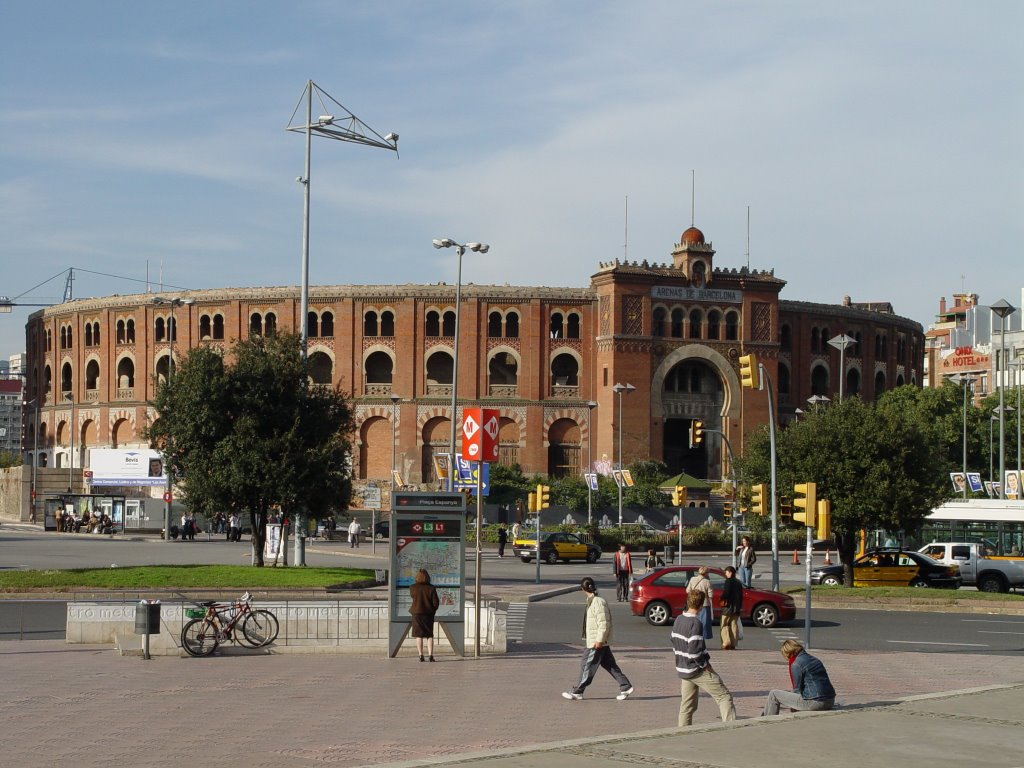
pixel 812 690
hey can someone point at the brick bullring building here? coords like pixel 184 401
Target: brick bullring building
pixel 546 358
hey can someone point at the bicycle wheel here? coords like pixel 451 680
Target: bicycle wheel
pixel 259 628
pixel 199 637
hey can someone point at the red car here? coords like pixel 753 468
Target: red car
pixel 660 596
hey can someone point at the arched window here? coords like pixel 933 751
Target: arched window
pixel 695 323
pixel 96 334
pixel 564 444
pixel 879 384
pixel 819 381
pixel 732 325
pixel 494 325
pixel 387 323
pixel 48 379
pixel 448 324
pixel 878 345
pixel 320 368
pixel 379 368
pixel 856 347
pixel 66 378
pixel 658 322
pixel 555 328
pixel 255 324
pixel 88 334
pixel 163 369
pixel 783 379
pixel 327 325
pixel 677 323
pixel 92 375
pixel 572 326
pixel 205 327
pixel 440 368
pixel 785 338
pixel 503 370
pixel 270 324
pixel 125 373
pixel 129 330
pixel 815 340
pixel 312 325
pixel 159 329
pixel 172 328
pixel 565 371
pixel 714 324
pixel 370 327
pixel 120 331
pixel 63 337
pixel 852 382
pixel 512 325
pixel 432 326
pixel 49 340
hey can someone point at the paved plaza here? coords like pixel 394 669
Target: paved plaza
pixel 87 706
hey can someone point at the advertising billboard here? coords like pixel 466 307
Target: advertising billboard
pixel 126 467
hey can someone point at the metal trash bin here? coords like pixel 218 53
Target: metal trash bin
pixel 670 555
pixel 147 618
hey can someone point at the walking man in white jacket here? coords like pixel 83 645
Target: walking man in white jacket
pixel 597 634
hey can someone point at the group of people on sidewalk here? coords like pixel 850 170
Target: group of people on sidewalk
pixel 810 689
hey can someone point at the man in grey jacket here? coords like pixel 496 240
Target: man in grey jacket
pixel 597 635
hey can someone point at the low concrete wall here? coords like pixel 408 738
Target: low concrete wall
pixel 319 626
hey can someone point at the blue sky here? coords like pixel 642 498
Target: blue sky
pixel 877 144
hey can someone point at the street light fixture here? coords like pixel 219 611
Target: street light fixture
pixel 172 335
pixel 968 381
pixel 841 342
pixel 348 128
pixel 1003 309
pixel 618 389
pixel 447 242
pixel 817 400
pixel 70 396
pixel 590 460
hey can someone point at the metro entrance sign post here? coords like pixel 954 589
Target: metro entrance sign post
pixel 479 443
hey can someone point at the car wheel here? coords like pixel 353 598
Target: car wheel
pixel 991 583
pixel 765 615
pixel 919 582
pixel 526 558
pixel 552 557
pixel 657 613
pixel 591 556
pixel 832 581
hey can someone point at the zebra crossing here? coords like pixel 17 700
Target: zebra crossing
pixel 515 622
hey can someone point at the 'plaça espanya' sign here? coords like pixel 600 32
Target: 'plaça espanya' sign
pixel 966 358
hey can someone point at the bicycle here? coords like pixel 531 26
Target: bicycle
pixel 222 622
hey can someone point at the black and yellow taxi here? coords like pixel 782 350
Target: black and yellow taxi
pixel 555 546
pixel 892 568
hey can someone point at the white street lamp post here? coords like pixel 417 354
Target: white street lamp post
pixel 590 461
pixel 71 454
pixel 1003 308
pixel 841 342
pixel 967 381
pixel 447 242
pixel 618 389
pixel 172 335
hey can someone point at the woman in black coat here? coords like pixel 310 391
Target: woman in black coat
pixel 424 605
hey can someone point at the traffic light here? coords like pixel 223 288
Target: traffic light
pixel 805 498
pixel 824 530
pixel 698 433
pixel 727 509
pixel 748 371
pixel 531 502
pixel 543 497
pixel 679 496
pixel 758 498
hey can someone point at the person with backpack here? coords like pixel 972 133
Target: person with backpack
pixel 745 559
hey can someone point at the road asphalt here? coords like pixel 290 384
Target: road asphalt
pixel 86 706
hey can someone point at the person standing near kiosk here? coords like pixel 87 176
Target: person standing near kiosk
pixel 425 603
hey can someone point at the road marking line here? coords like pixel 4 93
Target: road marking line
pixel 923 642
pixel 996 632
pixel 993 621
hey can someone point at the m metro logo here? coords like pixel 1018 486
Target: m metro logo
pixel 480 428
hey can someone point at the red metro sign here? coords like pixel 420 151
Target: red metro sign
pixel 480 434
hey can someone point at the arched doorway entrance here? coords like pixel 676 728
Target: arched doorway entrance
pixel 692 391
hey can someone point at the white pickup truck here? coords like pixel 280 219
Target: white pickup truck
pixel 988 574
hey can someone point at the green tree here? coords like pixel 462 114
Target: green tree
pixel 875 463
pixel 254 434
pixel 10 459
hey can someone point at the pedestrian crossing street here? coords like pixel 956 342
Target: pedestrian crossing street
pixel 515 622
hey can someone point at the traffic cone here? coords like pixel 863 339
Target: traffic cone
pixel 828 560
pixel 796 560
